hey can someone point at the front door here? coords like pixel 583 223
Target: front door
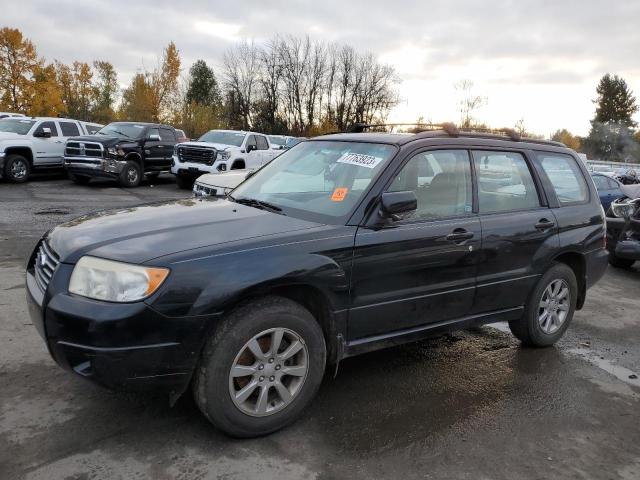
pixel 48 150
pixel 421 270
pixel 518 230
pixel 254 156
pixel 153 150
pixel 266 154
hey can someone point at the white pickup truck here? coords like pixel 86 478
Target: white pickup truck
pixel 29 144
pixel 219 151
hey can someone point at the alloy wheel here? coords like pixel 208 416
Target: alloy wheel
pixel 19 169
pixel 132 175
pixel 268 372
pixel 554 306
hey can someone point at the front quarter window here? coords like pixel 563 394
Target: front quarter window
pixel 321 181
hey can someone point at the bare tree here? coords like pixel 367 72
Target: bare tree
pixel 240 71
pixel 468 102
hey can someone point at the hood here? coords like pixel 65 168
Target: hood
pixel 631 191
pixel 217 146
pixel 230 179
pixel 139 234
pixel 11 136
pixel 107 141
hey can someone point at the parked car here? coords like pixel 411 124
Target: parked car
pixel 122 151
pixel 278 142
pixel 293 141
pixel 92 128
pixel 10 114
pixel 608 189
pixel 31 144
pixel 342 245
pixel 219 184
pixel 218 151
pixel 623 228
pixel 182 137
pixel 627 176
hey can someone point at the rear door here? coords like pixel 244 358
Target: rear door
pixel 167 141
pixel 422 269
pixel 518 230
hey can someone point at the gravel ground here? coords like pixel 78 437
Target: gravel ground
pixel 471 405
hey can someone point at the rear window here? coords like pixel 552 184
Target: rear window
pixel 565 176
pixel 69 129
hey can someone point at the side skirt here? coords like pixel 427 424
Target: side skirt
pixel 399 337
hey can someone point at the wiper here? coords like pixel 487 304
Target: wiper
pixel 121 133
pixel 252 202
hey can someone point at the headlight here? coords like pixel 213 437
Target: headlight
pixel 114 281
pixel 225 155
pixel 626 208
pixel 115 151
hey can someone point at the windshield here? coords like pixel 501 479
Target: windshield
pixel 225 138
pixel 321 181
pixel 127 130
pixel 11 125
pixel 275 140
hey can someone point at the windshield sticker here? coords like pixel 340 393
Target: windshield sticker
pixel 339 194
pixel 359 159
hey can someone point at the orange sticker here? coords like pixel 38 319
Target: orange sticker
pixel 339 194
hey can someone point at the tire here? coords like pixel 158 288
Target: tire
pixel 131 175
pixel 213 385
pixel 79 179
pixel 534 328
pixel 17 169
pixel 238 165
pixel 184 182
pixel 620 262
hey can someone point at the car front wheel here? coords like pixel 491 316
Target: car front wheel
pixel 550 308
pixel 261 368
pixel 17 169
pixel 131 175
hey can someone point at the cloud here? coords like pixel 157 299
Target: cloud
pixel 551 52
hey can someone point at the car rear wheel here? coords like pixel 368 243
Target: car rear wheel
pixel 620 262
pixel 550 308
pixel 17 169
pixel 261 367
pixel 79 179
pixel 131 175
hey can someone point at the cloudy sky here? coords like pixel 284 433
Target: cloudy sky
pixel 537 60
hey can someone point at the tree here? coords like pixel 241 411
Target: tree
pixel 46 100
pixel 137 101
pixel 566 137
pixel 105 92
pixel 468 102
pixel 18 65
pixel 611 134
pixel 240 73
pixel 203 86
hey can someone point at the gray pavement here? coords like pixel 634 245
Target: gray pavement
pixel 472 405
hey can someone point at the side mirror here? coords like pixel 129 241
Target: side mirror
pixel 153 138
pixel 44 133
pixel 395 204
pixel 251 148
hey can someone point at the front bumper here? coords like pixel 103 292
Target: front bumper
pixel 94 167
pixel 127 346
pixel 623 237
pixel 194 169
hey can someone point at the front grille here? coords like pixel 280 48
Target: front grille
pixel 83 149
pixel 46 263
pixel 197 155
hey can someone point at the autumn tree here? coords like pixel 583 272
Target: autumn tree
pixel 18 65
pixel 611 134
pixel 566 137
pixel 105 92
pixel 137 100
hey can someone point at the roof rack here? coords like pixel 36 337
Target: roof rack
pixel 453 131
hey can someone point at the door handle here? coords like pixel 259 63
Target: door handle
pixel 459 235
pixel 544 224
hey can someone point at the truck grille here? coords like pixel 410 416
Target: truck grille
pixel 46 263
pixel 83 149
pixel 197 155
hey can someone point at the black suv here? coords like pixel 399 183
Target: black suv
pixel 344 244
pixel 124 151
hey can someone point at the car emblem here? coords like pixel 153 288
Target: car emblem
pixel 82 149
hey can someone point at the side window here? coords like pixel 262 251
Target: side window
pixel 262 143
pixel 601 182
pixel 51 125
pixel 251 140
pixel 565 176
pixel 152 131
pixel 505 182
pixel 441 180
pixel 167 135
pixel 612 184
pixel 69 129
